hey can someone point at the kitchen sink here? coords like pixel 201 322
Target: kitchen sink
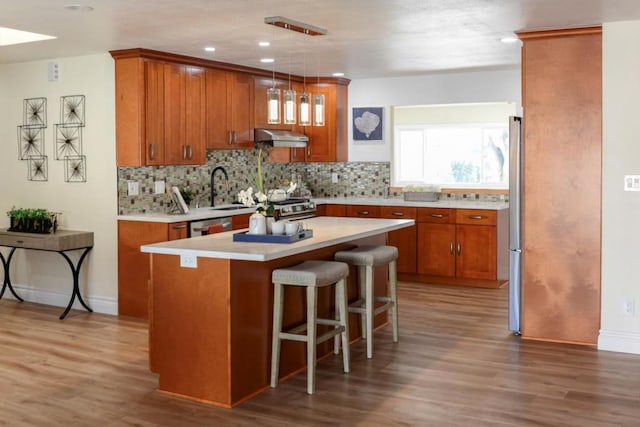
pixel 228 208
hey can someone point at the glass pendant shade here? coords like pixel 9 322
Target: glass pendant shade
pixel 290 107
pixel 305 110
pixel 318 110
pixel 273 106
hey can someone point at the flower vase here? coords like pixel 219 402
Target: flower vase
pixel 257 224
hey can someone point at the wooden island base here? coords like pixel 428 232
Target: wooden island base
pixel 210 326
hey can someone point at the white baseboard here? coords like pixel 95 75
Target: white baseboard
pixel 623 342
pixel 61 299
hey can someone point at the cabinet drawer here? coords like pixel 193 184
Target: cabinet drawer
pixel 437 215
pixel 475 217
pixel 363 211
pixel 397 212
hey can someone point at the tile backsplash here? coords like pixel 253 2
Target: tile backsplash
pixel 354 179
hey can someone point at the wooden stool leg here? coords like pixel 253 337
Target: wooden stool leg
pixel 338 316
pixel 341 306
pixel 369 309
pixel 362 282
pixel 278 296
pixel 393 281
pixel 312 294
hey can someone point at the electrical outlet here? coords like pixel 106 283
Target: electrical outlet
pixel 158 187
pixel 132 188
pixel 629 307
pixel 334 178
pixel 189 261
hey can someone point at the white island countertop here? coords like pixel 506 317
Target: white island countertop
pixel 327 231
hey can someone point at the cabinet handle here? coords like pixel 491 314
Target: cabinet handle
pixel 475 217
pixel 184 151
pixel 229 139
pixel 179 227
pixel 152 151
pixel 437 216
pixel 190 152
pixel 363 212
pixel 450 248
pixel 308 149
pixel 235 137
pixel 295 153
pixel 459 248
pixel 398 214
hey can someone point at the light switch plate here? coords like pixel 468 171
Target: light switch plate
pixel 632 183
pixel 334 177
pixel 133 188
pixel 158 187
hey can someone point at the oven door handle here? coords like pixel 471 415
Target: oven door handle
pixel 297 217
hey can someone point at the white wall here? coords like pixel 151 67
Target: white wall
pixel 450 88
pixel 621 210
pixel 43 276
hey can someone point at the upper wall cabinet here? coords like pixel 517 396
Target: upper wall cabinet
pixel 329 143
pixel 229 110
pixel 159 113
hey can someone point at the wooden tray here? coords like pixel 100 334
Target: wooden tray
pixel 272 238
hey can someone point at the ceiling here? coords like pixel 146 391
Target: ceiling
pixel 366 38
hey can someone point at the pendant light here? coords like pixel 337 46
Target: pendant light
pixel 305 103
pixel 289 98
pixel 318 105
pixel 273 106
pixel 273 100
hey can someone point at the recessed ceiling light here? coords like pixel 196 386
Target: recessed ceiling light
pixel 264 44
pixel 78 7
pixel 267 60
pixel 338 74
pixel 509 39
pixel 9 36
pixel 210 49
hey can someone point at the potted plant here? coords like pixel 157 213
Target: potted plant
pixel 29 220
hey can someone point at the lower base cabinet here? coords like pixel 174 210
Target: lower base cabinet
pixel 448 246
pixel 133 265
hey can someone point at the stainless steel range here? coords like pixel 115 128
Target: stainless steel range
pixel 295 209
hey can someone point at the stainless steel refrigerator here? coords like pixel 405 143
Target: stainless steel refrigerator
pixel 515 225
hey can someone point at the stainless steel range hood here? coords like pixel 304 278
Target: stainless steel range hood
pixel 280 138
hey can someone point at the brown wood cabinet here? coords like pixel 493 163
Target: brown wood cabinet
pixel 229 101
pixel 403 239
pixel 240 221
pixel 184 115
pixel 159 113
pixel 329 143
pixel 463 244
pixel 133 265
pixel 562 173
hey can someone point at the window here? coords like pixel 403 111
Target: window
pixel 470 152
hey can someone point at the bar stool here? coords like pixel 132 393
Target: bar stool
pixel 365 258
pixel 312 275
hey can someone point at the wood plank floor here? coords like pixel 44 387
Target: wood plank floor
pixel 455 365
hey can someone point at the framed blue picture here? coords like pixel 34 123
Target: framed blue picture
pixel 367 123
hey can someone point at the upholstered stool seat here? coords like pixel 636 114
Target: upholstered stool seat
pixel 366 258
pixel 312 275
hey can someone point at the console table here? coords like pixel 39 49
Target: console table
pixel 61 242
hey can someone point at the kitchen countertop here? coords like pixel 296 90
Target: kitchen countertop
pixel 208 213
pixel 327 231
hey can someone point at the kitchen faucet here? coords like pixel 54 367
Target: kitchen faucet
pixel 213 181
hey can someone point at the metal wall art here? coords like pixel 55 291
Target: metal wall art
pixel 31 138
pixel 67 136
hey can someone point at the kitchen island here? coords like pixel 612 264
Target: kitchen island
pixel 210 319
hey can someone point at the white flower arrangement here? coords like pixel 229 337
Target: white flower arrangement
pixel 249 198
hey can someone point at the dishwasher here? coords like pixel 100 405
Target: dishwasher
pixel 200 228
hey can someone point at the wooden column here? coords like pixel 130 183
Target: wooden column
pixel 562 104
